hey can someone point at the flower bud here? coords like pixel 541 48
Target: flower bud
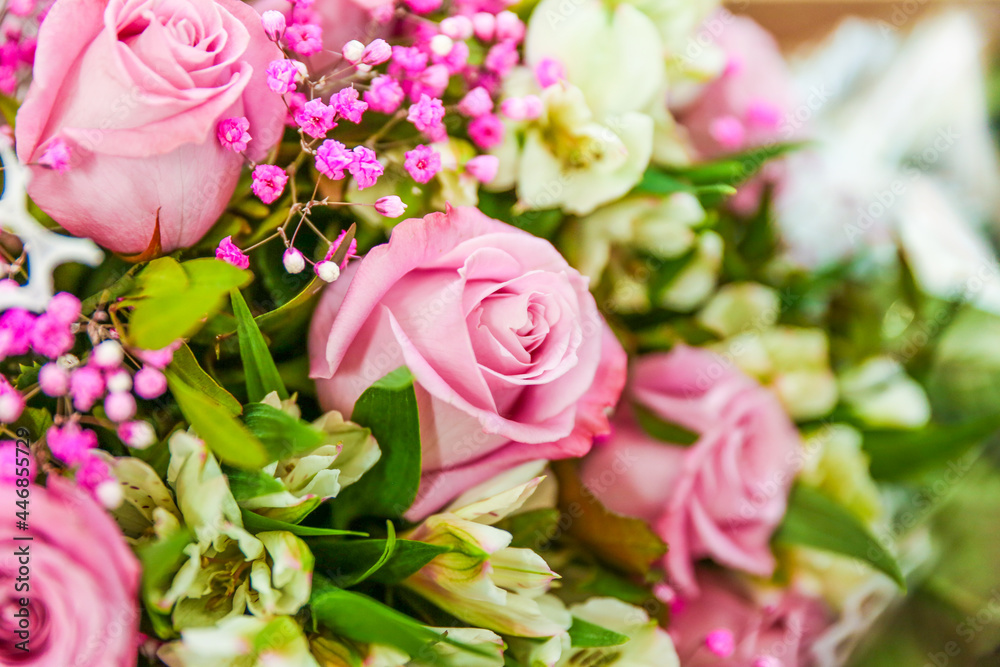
pixel 327 271
pixel 353 51
pixel 274 24
pixel 391 206
pixel 376 53
pixel 293 261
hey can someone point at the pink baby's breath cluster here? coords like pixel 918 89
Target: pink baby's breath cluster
pixel 439 80
pixel 100 390
pixel 18 39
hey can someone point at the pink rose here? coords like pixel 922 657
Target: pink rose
pixel 720 497
pixel 511 358
pixel 753 103
pixel 769 627
pixel 137 89
pixel 83 582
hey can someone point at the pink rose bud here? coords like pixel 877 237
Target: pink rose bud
pixel 509 27
pixel 476 103
pixel 327 271
pixel 483 168
pixel 274 24
pixel 108 355
pixel 136 434
pixel 120 406
pixel 457 27
pixel 391 206
pixel 353 51
pixel 53 380
pixel 293 261
pixel 376 53
pixel 149 383
pixel 484 26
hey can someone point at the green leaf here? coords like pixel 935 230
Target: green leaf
pixel 533 529
pixel 36 420
pixel 348 559
pixel 160 560
pixel 247 484
pixel 389 409
pixel 389 545
pixel 584 634
pixel 186 368
pixel 814 520
pixel 172 300
pixel 897 455
pixel 734 169
pixel 282 435
pixel 661 429
pixel 261 374
pixel 256 523
pixel 228 439
pixel 360 618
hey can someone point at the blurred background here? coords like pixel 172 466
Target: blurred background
pixel 892 75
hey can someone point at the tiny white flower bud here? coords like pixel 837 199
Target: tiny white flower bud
pixel 441 45
pixel 293 260
pixel 353 51
pixel 109 354
pixel 328 271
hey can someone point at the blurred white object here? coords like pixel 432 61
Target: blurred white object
pixel 46 250
pixel 903 131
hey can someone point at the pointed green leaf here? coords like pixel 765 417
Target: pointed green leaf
pixel 228 439
pixel 584 634
pixel 256 523
pixel 389 409
pixel 896 454
pixel 247 484
pixel 814 520
pixel 282 435
pixel 262 375
pixel 347 558
pixel 187 369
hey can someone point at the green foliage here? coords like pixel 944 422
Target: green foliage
pixel 814 520
pixel 262 375
pixel 171 300
pixel 282 435
pixel 389 409
pixel 584 634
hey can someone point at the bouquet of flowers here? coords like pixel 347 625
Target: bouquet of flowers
pixel 461 333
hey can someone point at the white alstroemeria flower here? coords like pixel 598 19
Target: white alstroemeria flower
pixel 147 510
pixel 312 477
pixel 483 580
pixel 662 226
pixel 227 570
pixel 648 644
pixel 600 50
pixel 243 641
pixel 881 394
pixel 575 161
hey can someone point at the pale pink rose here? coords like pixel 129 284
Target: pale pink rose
pixel 340 21
pixel 136 89
pixel 511 358
pixel 83 582
pixel 769 627
pixel 752 104
pixel 720 497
